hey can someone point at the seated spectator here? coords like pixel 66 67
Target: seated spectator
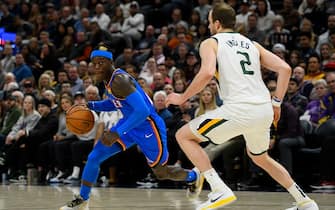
pixel 28 141
pixel 287 134
pixel 21 71
pixel 48 161
pixel 133 26
pixel 305 86
pixel 159 103
pixel 27 121
pixel 253 32
pixel 314 71
pixel 12 115
pixel 328 101
pixel 293 97
pixel 313 108
pixel 278 34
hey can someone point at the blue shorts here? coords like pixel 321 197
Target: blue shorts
pixel 151 138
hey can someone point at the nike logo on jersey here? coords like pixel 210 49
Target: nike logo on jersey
pixel 148 135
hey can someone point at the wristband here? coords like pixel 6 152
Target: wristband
pixel 276 102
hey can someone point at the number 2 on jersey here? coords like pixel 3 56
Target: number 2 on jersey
pixel 244 62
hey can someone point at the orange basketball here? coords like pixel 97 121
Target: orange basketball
pixel 79 120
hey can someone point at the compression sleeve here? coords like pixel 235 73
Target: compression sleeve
pixel 102 106
pixel 139 114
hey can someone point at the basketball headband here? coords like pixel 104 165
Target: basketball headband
pixel 102 52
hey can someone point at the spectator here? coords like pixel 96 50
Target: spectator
pixel 327 107
pixel 324 37
pixel 305 48
pixel 280 50
pixel 133 26
pixel 214 86
pixel 158 82
pixel 45 128
pixel 314 71
pixel 243 14
pixel 253 32
pixel 305 86
pixel 8 60
pixel 77 83
pixel 313 108
pixel 325 52
pixel 27 120
pixel 101 17
pixel 22 71
pixel 203 8
pixel 47 150
pixel 265 16
pixel 293 97
pixel 159 103
pixel 81 49
pixel 148 70
pixel 287 134
pixel 290 15
pixel 278 34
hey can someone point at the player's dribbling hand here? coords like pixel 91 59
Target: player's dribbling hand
pixel 109 138
pixel 174 98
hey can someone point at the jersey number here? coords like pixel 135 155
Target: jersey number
pixel 244 62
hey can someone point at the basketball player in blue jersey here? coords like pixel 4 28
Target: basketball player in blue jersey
pixel 140 125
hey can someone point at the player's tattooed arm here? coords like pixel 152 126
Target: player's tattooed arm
pixel 122 86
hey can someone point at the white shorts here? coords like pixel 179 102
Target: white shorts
pixel 253 121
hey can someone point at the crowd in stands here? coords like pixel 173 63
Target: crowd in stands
pixel 47 69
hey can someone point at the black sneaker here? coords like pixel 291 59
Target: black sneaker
pixel 148 182
pixel 78 203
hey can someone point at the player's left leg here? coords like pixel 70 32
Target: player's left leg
pixel 99 153
pixel 280 174
pixel 257 142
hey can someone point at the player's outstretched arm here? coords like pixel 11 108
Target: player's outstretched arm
pixel 207 52
pixel 101 106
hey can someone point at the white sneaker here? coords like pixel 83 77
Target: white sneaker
pixel 78 203
pixel 194 188
pixel 217 200
pixel 57 179
pixel 307 205
pixel 71 180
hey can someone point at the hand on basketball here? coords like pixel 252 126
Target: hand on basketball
pixel 109 138
pixel 174 98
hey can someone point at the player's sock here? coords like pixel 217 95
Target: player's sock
pixel 85 191
pixel 215 181
pixel 191 176
pixel 297 193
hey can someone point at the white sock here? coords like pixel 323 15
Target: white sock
pixel 75 172
pixel 297 193
pixel 215 181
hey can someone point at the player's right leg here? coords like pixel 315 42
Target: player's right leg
pixel 99 153
pixel 221 194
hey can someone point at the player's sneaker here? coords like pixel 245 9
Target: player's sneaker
pixel 194 188
pixel 78 203
pixel 307 205
pixel 217 200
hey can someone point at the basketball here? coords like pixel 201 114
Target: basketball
pixel 79 119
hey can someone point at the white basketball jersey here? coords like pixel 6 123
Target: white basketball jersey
pixel 238 71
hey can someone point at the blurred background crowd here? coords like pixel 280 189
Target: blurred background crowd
pixel 45 68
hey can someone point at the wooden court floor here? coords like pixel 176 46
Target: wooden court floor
pixel 23 197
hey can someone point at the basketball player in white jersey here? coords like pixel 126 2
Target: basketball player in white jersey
pixel 248 109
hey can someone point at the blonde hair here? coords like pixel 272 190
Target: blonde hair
pixel 202 106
